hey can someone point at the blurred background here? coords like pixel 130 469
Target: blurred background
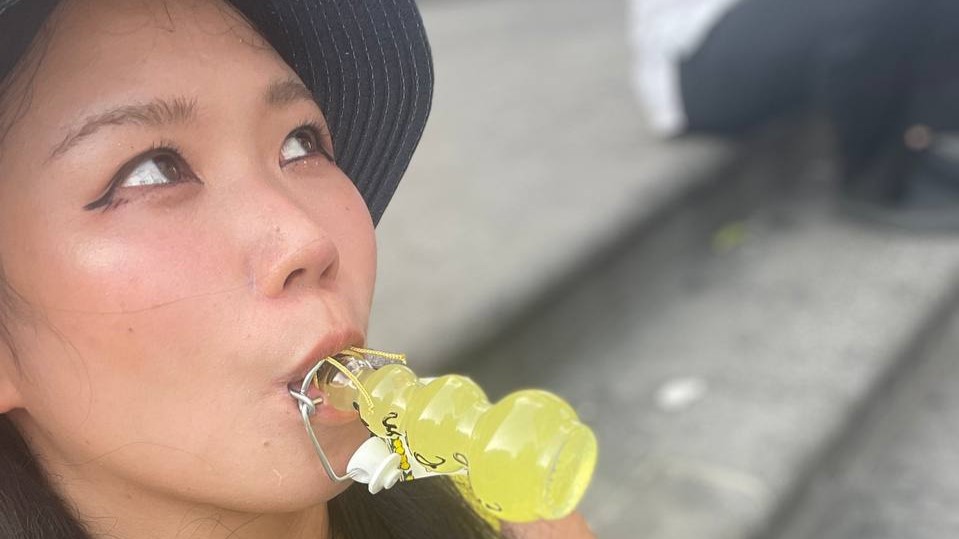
pixel 724 230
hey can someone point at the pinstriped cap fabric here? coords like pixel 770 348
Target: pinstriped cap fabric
pixel 368 63
pixel 4 4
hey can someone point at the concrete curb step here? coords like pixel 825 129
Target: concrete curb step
pixel 718 380
pixel 890 474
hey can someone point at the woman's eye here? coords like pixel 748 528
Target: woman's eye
pixel 162 167
pixel 303 142
pixel 155 170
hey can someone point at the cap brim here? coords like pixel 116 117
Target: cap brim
pixel 369 65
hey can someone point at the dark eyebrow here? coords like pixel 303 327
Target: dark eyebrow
pixel 160 112
pixel 155 113
pixel 285 92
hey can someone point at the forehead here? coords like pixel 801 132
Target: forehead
pixel 122 17
pixel 103 51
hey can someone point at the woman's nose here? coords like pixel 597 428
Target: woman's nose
pixel 310 265
pixel 295 252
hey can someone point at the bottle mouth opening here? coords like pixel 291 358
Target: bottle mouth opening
pixel 336 379
pixel 328 374
pixel 569 474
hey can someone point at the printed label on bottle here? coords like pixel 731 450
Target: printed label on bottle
pixel 409 464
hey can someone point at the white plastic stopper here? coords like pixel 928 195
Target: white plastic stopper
pixel 374 464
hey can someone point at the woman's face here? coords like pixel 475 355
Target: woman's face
pixel 185 249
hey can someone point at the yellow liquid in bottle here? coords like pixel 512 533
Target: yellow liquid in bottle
pixel 528 456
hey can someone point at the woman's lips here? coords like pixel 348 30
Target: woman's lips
pixel 333 342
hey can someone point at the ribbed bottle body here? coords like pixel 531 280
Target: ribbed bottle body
pixel 528 457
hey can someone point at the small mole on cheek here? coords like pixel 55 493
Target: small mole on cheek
pixel 130 330
pixel 266 444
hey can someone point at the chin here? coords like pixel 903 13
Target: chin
pixel 291 495
pixel 310 484
pixel 288 477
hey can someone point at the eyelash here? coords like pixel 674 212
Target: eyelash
pixel 163 147
pixel 319 133
pixel 108 201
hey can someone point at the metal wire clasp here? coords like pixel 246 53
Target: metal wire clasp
pixel 307 406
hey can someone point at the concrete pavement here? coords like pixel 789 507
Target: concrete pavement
pixel 895 478
pixel 717 385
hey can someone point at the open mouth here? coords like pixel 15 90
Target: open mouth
pixel 308 390
pixel 338 371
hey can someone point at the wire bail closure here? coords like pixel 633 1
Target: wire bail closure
pixel 307 406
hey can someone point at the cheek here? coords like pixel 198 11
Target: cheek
pixel 119 314
pixel 358 249
pixel 119 311
pixel 353 233
pixel 121 272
